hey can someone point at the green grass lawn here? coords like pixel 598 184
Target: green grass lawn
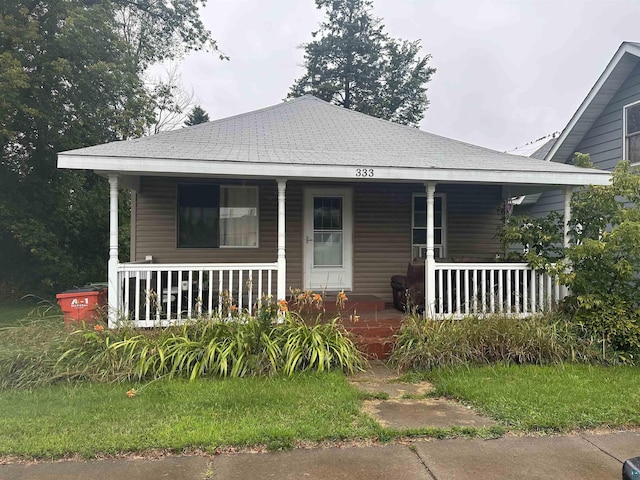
pixel 99 418
pixel 551 398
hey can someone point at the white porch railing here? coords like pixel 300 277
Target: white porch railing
pixel 481 288
pixel 153 294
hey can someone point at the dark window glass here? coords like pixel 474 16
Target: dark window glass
pixel 419 232
pixel 198 216
pixel 633 119
pixel 420 236
pixel 327 213
pixel 633 149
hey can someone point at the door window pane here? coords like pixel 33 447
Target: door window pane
pixel 327 249
pixel 327 213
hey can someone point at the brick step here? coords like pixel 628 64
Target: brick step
pixel 376 348
pixel 373 331
pixel 375 338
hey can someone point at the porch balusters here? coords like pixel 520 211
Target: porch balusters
pixel 484 288
pixel 159 295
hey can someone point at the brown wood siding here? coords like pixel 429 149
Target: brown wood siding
pixel 382 236
pixel 382 228
pixel 294 234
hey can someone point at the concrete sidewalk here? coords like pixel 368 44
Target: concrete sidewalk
pixel 579 456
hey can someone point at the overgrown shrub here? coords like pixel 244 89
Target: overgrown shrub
pixel 28 351
pixel 243 346
pixel 424 343
pixel 601 267
pixel 609 322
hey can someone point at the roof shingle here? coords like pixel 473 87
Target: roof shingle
pixel 309 131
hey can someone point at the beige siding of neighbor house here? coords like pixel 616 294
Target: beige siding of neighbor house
pixel 381 230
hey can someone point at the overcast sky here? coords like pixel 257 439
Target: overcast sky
pixel 509 72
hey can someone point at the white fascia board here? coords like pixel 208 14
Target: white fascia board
pixel 164 167
pixel 595 90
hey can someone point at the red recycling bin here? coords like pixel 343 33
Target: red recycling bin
pixel 82 304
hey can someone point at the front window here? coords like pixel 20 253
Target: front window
pixel 632 133
pixel 238 217
pixel 212 216
pixel 419 226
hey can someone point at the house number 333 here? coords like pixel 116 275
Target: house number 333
pixel 364 172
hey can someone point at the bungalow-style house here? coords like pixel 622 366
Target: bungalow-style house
pixel 308 195
pixel 606 125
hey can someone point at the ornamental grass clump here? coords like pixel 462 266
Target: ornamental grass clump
pixel 28 350
pixel 243 346
pixel 424 343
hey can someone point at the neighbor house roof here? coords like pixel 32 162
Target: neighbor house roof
pixel 623 62
pixel 309 138
pixel 535 149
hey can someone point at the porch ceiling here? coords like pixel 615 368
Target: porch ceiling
pixel 308 138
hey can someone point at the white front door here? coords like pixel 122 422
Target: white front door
pixel 328 232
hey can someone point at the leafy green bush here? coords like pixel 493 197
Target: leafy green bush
pixel 601 267
pixel 610 322
pixel 424 343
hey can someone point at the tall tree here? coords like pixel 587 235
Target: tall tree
pixel 197 116
pixel 352 62
pixel 70 76
pixel 171 101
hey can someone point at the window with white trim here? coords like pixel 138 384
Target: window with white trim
pixel 213 216
pixel 632 133
pixel 419 226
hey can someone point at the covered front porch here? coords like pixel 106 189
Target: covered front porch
pixel 151 292
pixel 308 195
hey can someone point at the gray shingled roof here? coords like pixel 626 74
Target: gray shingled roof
pixel 309 131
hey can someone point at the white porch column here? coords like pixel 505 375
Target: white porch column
pixel 567 192
pixel 114 288
pixel 430 262
pixel 282 261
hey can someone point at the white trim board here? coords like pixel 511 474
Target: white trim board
pixel 566 175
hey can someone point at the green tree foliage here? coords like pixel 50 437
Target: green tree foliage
pixel 70 77
pixel 601 267
pixel 352 62
pixel 197 116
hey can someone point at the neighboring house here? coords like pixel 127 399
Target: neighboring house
pixel 606 125
pixel 305 194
